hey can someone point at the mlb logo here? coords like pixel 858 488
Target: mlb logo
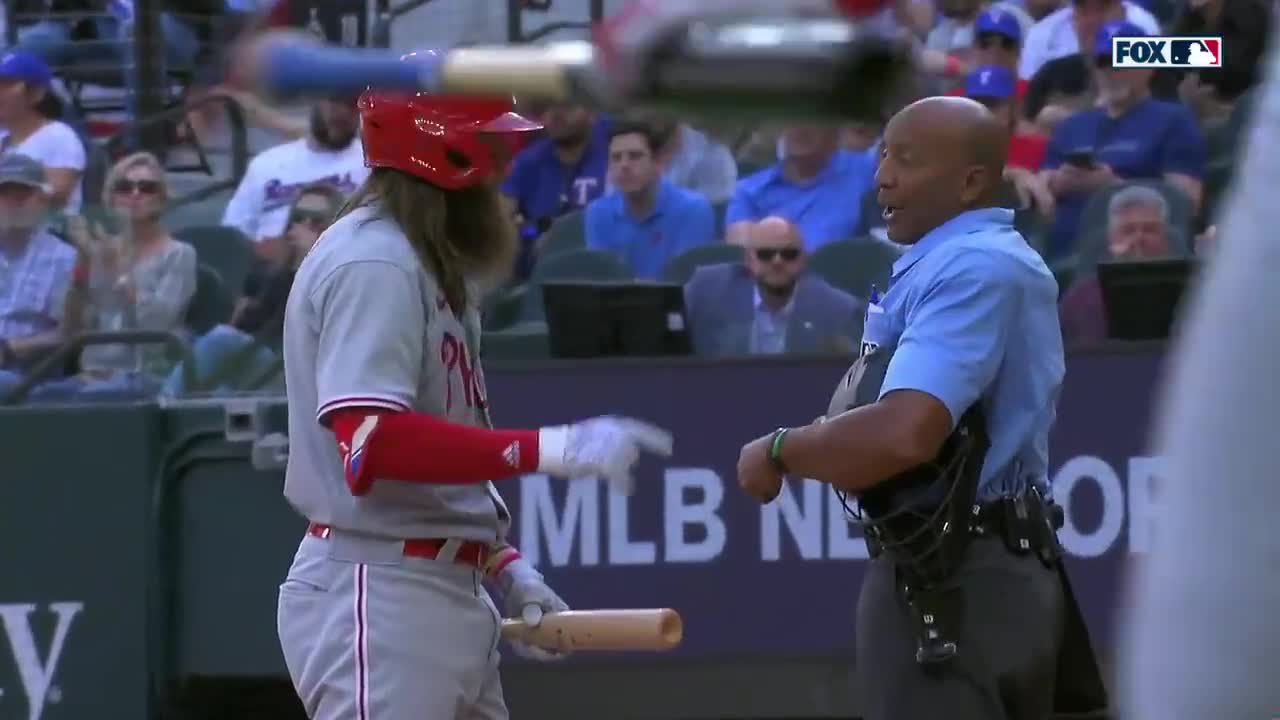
pixel 1166 52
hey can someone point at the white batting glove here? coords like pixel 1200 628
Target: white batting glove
pixel 605 447
pixel 527 596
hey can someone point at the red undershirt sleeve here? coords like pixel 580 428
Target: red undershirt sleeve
pixel 412 447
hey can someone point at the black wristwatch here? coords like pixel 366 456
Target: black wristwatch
pixel 775 450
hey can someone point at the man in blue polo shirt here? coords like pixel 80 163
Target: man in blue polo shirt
pixel 816 186
pixel 1129 136
pixel 648 220
pixel 559 173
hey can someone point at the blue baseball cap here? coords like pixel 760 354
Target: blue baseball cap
pixel 27 67
pixel 999 21
pixel 1114 29
pixel 990 81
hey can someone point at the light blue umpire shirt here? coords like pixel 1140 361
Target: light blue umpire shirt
pixel 973 311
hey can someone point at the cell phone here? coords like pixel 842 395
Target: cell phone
pixel 1080 159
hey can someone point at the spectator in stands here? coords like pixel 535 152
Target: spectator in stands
pixel 648 220
pixel 331 154
pixel 140 278
pixel 994 86
pixel 953 37
pixel 1137 229
pixel 1071 29
pixel 690 159
pixel 28 114
pixel 72 32
pixel 1130 135
pixel 248 342
pixel 769 304
pixel 816 185
pixel 35 270
pixel 997 40
pixel 563 171
pixel 1244 26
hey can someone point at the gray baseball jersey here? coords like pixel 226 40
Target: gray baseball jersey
pixel 367 325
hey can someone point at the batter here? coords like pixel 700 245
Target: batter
pixel 384 613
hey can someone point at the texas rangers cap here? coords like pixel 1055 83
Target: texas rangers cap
pixel 27 67
pixel 1114 29
pixel 999 21
pixel 993 82
pixel 18 169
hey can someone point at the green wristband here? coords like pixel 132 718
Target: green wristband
pixel 775 450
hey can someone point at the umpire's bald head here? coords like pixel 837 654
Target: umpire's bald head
pixel 941 157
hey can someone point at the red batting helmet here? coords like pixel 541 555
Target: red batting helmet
pixel 436 137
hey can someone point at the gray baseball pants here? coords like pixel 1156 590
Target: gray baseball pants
pixel 369 634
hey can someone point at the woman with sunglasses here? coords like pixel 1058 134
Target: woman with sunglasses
pixel 247 345
pixel 137 277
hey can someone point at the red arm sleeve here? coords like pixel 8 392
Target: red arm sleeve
pixel 412 447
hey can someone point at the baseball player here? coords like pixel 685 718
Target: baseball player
pixel 383 613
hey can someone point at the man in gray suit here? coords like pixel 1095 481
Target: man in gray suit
pixel 769 304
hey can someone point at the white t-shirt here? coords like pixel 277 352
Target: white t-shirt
pixel 260 206
pixel 1054 36
pixel 57 146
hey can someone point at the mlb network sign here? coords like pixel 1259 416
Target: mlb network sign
pixel 1166 52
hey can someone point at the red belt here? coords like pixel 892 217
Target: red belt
pixel 471 553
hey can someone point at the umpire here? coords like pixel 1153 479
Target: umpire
pixel 938 438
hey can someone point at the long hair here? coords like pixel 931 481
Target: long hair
pixel 459 235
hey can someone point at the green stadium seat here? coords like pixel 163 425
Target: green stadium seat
pixel 569 265
pixel 568 232
pixel 225 249
pixel 681 267
pixel 503 309
pixel 855 265
pixel 526 341
pixel 211 303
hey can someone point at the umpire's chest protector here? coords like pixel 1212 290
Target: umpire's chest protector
pixel 918 518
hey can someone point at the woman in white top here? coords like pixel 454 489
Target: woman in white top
pixel 28 108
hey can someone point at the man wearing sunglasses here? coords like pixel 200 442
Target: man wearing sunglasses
pixel 769 303
pixel 1129 135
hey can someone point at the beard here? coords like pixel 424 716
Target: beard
pixel 328 138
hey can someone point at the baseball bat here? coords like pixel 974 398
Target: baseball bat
pixel 758 67
pixel 648 629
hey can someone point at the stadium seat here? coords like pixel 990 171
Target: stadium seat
pixel 526 341
pixel 569 265
pixel 503 309
pixel 681 267
pixel 225 249
pixel 212 302
pixel 855 265
pixel 566 233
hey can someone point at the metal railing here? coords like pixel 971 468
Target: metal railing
pixel 60 358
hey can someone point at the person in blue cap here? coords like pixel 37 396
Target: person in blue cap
pixel 1128 136
pixel 28 115
pixel 995 87
pixel 997 40
pixel 940 430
